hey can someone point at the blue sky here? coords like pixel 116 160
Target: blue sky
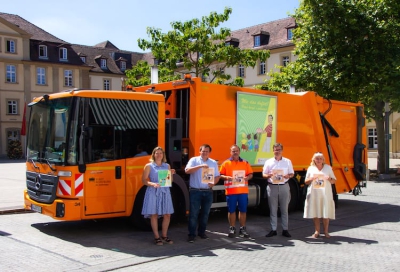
pixel 124 22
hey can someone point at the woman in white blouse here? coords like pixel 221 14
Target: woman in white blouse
pixel 319 200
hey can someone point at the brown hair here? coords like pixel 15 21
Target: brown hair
pixel 205 146
pixel 152 158
pixel 277 145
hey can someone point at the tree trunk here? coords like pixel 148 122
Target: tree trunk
pixel 380 131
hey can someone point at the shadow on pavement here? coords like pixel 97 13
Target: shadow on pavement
pixel 116 235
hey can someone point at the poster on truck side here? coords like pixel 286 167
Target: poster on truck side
pixel 256 126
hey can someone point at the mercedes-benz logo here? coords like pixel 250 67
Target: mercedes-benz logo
pixel 38 182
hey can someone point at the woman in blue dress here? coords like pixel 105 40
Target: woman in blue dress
pixel 157 200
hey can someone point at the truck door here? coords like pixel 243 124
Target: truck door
pixel 105 187
pixel 105 172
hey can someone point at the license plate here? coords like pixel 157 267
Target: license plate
pixel 36 208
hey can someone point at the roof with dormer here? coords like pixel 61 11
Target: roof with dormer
pixel 36 32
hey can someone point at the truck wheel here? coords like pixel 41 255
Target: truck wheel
pixel 335 196
pixel 136 218
pixel 263 207
pixel 294 195
pixel 180 199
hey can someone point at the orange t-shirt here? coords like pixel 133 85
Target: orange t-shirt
pixel 227 169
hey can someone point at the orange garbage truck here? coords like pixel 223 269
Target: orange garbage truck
pixel 82 145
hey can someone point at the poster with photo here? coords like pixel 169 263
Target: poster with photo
pixel 319 181
pixel 165 178
pixel 238 178
pixel 207 175
pixel 277 176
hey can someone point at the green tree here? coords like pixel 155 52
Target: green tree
pixel 196 46
pixel 140 74
pixel 348 50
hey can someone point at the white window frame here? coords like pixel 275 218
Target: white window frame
pixel 257 41
pixel 83 59
pixel 68 78
pixel 262 68
pixel 285 61
pixel 40 76
pixel 106 84
pixel 241 72
pixel 13 134
pixel 11 73
pixel 63 53
pixel 372 136
pixel 123 65
pixel 43 51
pixel 11 46
pixel 103 63
pixel 12 107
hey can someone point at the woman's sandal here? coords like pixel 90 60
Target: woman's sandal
pixel 167 240
pixel 315 235
pixel 327 235
pixel 158 241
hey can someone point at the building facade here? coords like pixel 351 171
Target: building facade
pixel 34 62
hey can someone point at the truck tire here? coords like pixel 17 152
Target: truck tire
pixel 180 199
pixel 294 203
pixel 136 218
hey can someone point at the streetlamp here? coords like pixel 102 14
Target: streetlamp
pixel 387 113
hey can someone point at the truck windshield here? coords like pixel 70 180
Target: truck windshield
pixel 47 137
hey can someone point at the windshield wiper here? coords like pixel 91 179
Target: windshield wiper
pixel 48 163
pixel 34 164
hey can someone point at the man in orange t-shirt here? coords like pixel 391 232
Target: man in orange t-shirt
pixel 236 173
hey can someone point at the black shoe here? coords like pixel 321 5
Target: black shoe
pixel 191 239
pixel 232 232
pixel 203 236
pixel 243 232
pixel 271 233
pixel 286 233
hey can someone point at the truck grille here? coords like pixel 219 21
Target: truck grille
pixel 41 187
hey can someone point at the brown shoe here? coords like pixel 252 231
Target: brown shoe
pixel 167 240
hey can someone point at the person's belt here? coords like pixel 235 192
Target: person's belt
pixel 277 184
pixel 200 189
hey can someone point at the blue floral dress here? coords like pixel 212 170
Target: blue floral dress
pixel 157 200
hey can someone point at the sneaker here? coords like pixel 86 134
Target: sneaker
pixel 286 233
pixel 191 239
pixel 232 231
pixel 243 233
pixel 271 233
pixel 203 236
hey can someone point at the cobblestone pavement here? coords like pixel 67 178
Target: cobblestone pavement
pixel 365 237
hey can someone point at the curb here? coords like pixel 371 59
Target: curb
pixel 13 210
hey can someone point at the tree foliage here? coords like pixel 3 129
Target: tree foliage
pixel 348 50
pixel 140 74
pixel 197 45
